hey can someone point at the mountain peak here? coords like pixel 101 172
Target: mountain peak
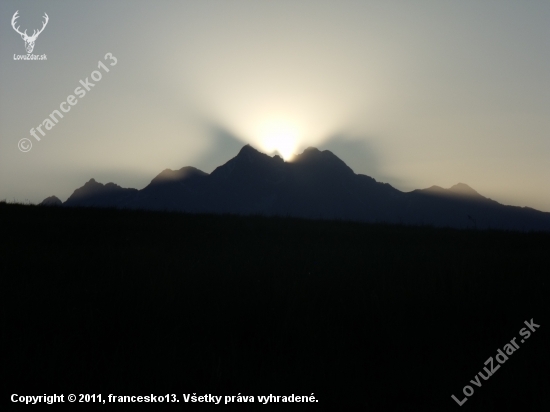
pixel 464 190
pixel 169 175
pixel 246 149
pixel 51 201
pixel 93 185
pixel 314 153
pixel 249 154
pixel 460 190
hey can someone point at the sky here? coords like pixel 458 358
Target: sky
pixel 412 93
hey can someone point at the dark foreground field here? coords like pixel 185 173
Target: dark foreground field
pixel 372 316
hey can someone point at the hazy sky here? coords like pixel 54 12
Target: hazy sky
pixel 412 93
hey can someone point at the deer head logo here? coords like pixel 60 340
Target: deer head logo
pixel 29 40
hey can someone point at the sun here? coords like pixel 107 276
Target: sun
pixel 280 137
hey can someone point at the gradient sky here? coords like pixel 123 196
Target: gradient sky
pixel 412 93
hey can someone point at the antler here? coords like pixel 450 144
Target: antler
pixel 15 17
pixel 35 35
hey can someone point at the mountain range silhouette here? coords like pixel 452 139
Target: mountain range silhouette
pixel 316 185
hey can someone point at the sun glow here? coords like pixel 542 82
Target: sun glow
pixel 280 137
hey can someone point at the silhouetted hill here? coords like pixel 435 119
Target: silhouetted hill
pixel 315 184
pixel 99 195
pixel 170 190
pixel 51 201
